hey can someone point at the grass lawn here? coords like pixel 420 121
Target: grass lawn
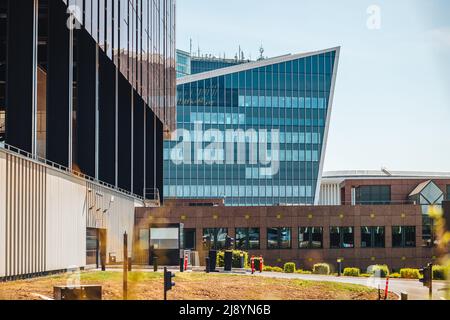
pixel 193 286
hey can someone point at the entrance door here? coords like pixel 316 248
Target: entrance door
pixel 92 247
pixel 95 246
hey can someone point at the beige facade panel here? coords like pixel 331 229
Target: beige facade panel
pixel 44 214
pixel 2 213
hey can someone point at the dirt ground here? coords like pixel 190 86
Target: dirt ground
pixel 191 286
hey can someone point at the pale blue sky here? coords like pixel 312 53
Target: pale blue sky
pixel 392 99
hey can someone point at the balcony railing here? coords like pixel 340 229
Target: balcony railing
pixel 66 170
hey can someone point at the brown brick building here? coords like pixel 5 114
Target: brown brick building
pixel 362 233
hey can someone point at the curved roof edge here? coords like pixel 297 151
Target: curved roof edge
pixel 383 174
pixel 251 65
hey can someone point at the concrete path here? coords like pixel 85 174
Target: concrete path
pixel 414 288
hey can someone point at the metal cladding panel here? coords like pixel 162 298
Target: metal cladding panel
pixel 66 221
pixel 113 212
pixel 25 229
pixel 2 213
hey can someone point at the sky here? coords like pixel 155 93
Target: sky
pixel 392 99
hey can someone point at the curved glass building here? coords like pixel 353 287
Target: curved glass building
pixel 254 134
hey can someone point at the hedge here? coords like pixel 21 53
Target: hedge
pixel 289 267
pixel 236 263
pixel 267 268
pixel 300 271
pixel 322 268
pixel 395 275
pixel 378 269
pixel 409 273
pixel 352 272
pixel 441 272
pixel 277 269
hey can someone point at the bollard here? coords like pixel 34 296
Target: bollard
pixel 404 296
pixel 386 291
pixel 261 264
pixel 181 265
pixel 155 264
pixel 185 262
pixel 207 264
pixel 253 264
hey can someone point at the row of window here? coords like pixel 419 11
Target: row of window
pixel 282 102
pixel 312 237
pixel 236 191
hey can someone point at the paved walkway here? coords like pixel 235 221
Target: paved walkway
pixel 414 288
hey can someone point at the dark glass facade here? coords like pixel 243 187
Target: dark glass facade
pixel 282 102
pixel 372 237
pixel 310 238
pixel 90 86
pixel 373 195
pixel 342 237
pixel 403 237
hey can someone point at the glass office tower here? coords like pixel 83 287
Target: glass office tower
pixel 183 63
pixel 280 106
pixel 90 86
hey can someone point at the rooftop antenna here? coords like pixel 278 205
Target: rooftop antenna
pixel 241 54
pixel 190 47
pixel 261 52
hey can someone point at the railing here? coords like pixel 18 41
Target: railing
pixel 66 170
pixel 152 198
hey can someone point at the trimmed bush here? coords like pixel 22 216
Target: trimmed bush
pixel 236 263
pixel 395 275
pixel 300 271
pixel 409 273
pixel 277 269
pixel 267 269
pixel 365 275
pixel 441 273
pixel 322 268
pixel 289 267
pixel 379 270
pixel 352 272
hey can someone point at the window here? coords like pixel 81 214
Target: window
pixel 342 237
pixel 216 236
pixel 403 237
pixel 448 192
pixel 279 238
pixel 372 237
pixel 189 239
pixel 247 239
pixel 370 195
pixel 310 237
pixel 164 238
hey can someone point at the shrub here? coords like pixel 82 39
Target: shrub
pixel 441 273
pixel 267 269
pixel 300 271
pixel 379 270
pixel 409 273
pixel 365 275
pixel 322 268
pixel 277 269
pixel 289 267
pixel 352 272
pixel 395 275
pixel 236 263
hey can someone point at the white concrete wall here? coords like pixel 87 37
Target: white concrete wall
pixel 2 212
pixel 330 194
